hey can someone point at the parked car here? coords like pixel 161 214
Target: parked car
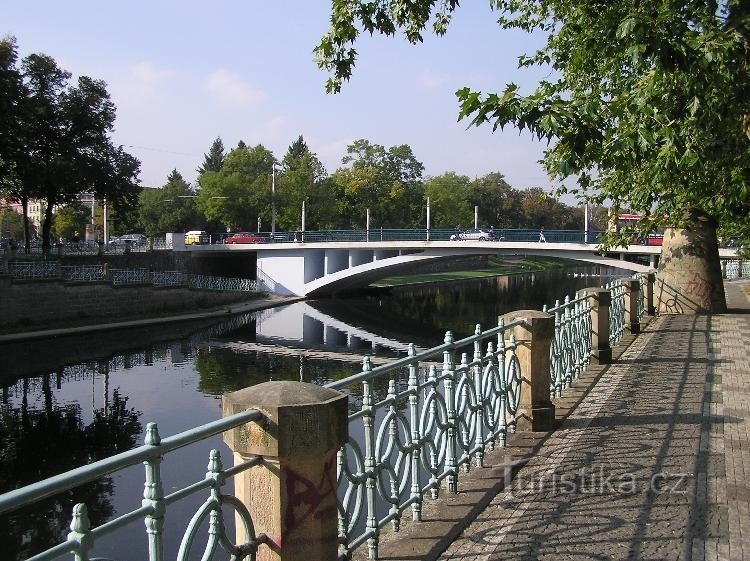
pixel 196 237
pixel 244 237
pixel 129 240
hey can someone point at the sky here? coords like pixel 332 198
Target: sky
pixel 183 73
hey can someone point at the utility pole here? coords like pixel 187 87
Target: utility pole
pixel 428 218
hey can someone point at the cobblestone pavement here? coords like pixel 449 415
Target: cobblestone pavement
pixel 653 464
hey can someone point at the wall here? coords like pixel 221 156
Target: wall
pixel 50 303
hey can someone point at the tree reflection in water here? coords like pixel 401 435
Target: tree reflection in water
pixel 40 443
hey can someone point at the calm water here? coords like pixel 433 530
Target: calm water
pixel 77 400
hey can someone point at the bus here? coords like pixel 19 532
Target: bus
pixel 626 221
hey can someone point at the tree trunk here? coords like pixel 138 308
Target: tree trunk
pixel 689 278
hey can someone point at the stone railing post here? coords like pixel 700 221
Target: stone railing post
pixel 632 294
pixel 533 340
pixel 291 495
pixel 650 284
pixel 599 302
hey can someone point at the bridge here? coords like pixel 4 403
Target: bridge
pixel 324 267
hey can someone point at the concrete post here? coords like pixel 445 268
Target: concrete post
pixel 632 294
pixel 599 301
pixel 533 339
pixel 291 495
pixel 650 301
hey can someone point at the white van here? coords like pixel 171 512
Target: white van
pixel 196 237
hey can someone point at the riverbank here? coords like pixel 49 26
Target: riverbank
pixel 73 327
pixel 495 267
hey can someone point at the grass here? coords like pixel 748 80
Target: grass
pixel 495 267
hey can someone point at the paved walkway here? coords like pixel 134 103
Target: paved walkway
pixel 654 463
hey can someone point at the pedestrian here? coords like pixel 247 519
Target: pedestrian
pixel 76 237
pixel 542 239
pixel 492 233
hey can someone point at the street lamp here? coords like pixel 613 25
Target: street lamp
pixel 273 201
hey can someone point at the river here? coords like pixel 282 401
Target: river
pixel 71 401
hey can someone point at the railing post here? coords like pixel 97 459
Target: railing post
pixel 533 340
pixel 650 283
pixel 291 495
pixel 632 294
pixel 599 302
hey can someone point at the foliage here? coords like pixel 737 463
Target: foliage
pixel 214 159
pixel 59 144
pixel 240 193
pixel 171 208
pixel 11 224
pixel 386 181
pixel 657 119
pixel 449 196
pixel 70 218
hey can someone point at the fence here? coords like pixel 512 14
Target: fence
pixel 37 270
pixel 414 424
pixel 736 269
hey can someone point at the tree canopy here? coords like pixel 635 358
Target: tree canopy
pixel 58 145
pixel 647 104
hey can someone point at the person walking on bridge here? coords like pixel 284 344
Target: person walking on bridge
pixel 542 239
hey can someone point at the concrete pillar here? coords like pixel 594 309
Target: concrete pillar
pixel 632 294
pixel 291 495
pixel 599 301
pixel 650 301
pixel 723 268
pixel 533 339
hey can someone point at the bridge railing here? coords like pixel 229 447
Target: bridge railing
pixel 736 269
pixel 154 508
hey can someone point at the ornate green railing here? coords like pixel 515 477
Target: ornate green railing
pixel 616 310
pixel 154 507
pixel 419 424
pixel 571 346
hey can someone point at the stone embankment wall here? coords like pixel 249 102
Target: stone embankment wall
pixel 40 304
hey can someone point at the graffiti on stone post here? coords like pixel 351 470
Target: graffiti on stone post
pixel 307 499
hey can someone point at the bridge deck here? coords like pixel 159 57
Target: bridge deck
pixel 653 463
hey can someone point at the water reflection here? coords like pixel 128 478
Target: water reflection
pixel 80 400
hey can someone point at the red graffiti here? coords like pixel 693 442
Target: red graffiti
pixel 305 499
pixel 697 287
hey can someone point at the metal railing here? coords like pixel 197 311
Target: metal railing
pixel 570 350
pixel 616 310
pixel 35 270
pixel 736 269
pixel 419 425
pixel 206 282
pixel 155 504
pixel 83 273
pixel 414 424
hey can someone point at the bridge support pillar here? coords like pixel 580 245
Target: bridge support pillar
pixel 291 493
pixel 599 302
pixel 533 340
pixel 632 295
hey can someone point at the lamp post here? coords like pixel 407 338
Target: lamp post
pixel 586 223
pixel 273 201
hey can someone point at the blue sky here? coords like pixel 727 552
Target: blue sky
pixel 183 73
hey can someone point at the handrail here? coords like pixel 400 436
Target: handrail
pixel 90 472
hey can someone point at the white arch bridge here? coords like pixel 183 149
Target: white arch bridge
pixel 316 269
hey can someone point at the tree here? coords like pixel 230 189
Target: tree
pixel 240 193
pixel 658 119
pixel 499 204
pixel 301 179
pixel 63 133
pixel 387 181
pixel 70 218
pixel 214 159
pixel 449 199
pixel 171 208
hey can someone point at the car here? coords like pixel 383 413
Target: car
pixel 476 234
pixel 129 240
pixel 244 237
pixel 196 237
